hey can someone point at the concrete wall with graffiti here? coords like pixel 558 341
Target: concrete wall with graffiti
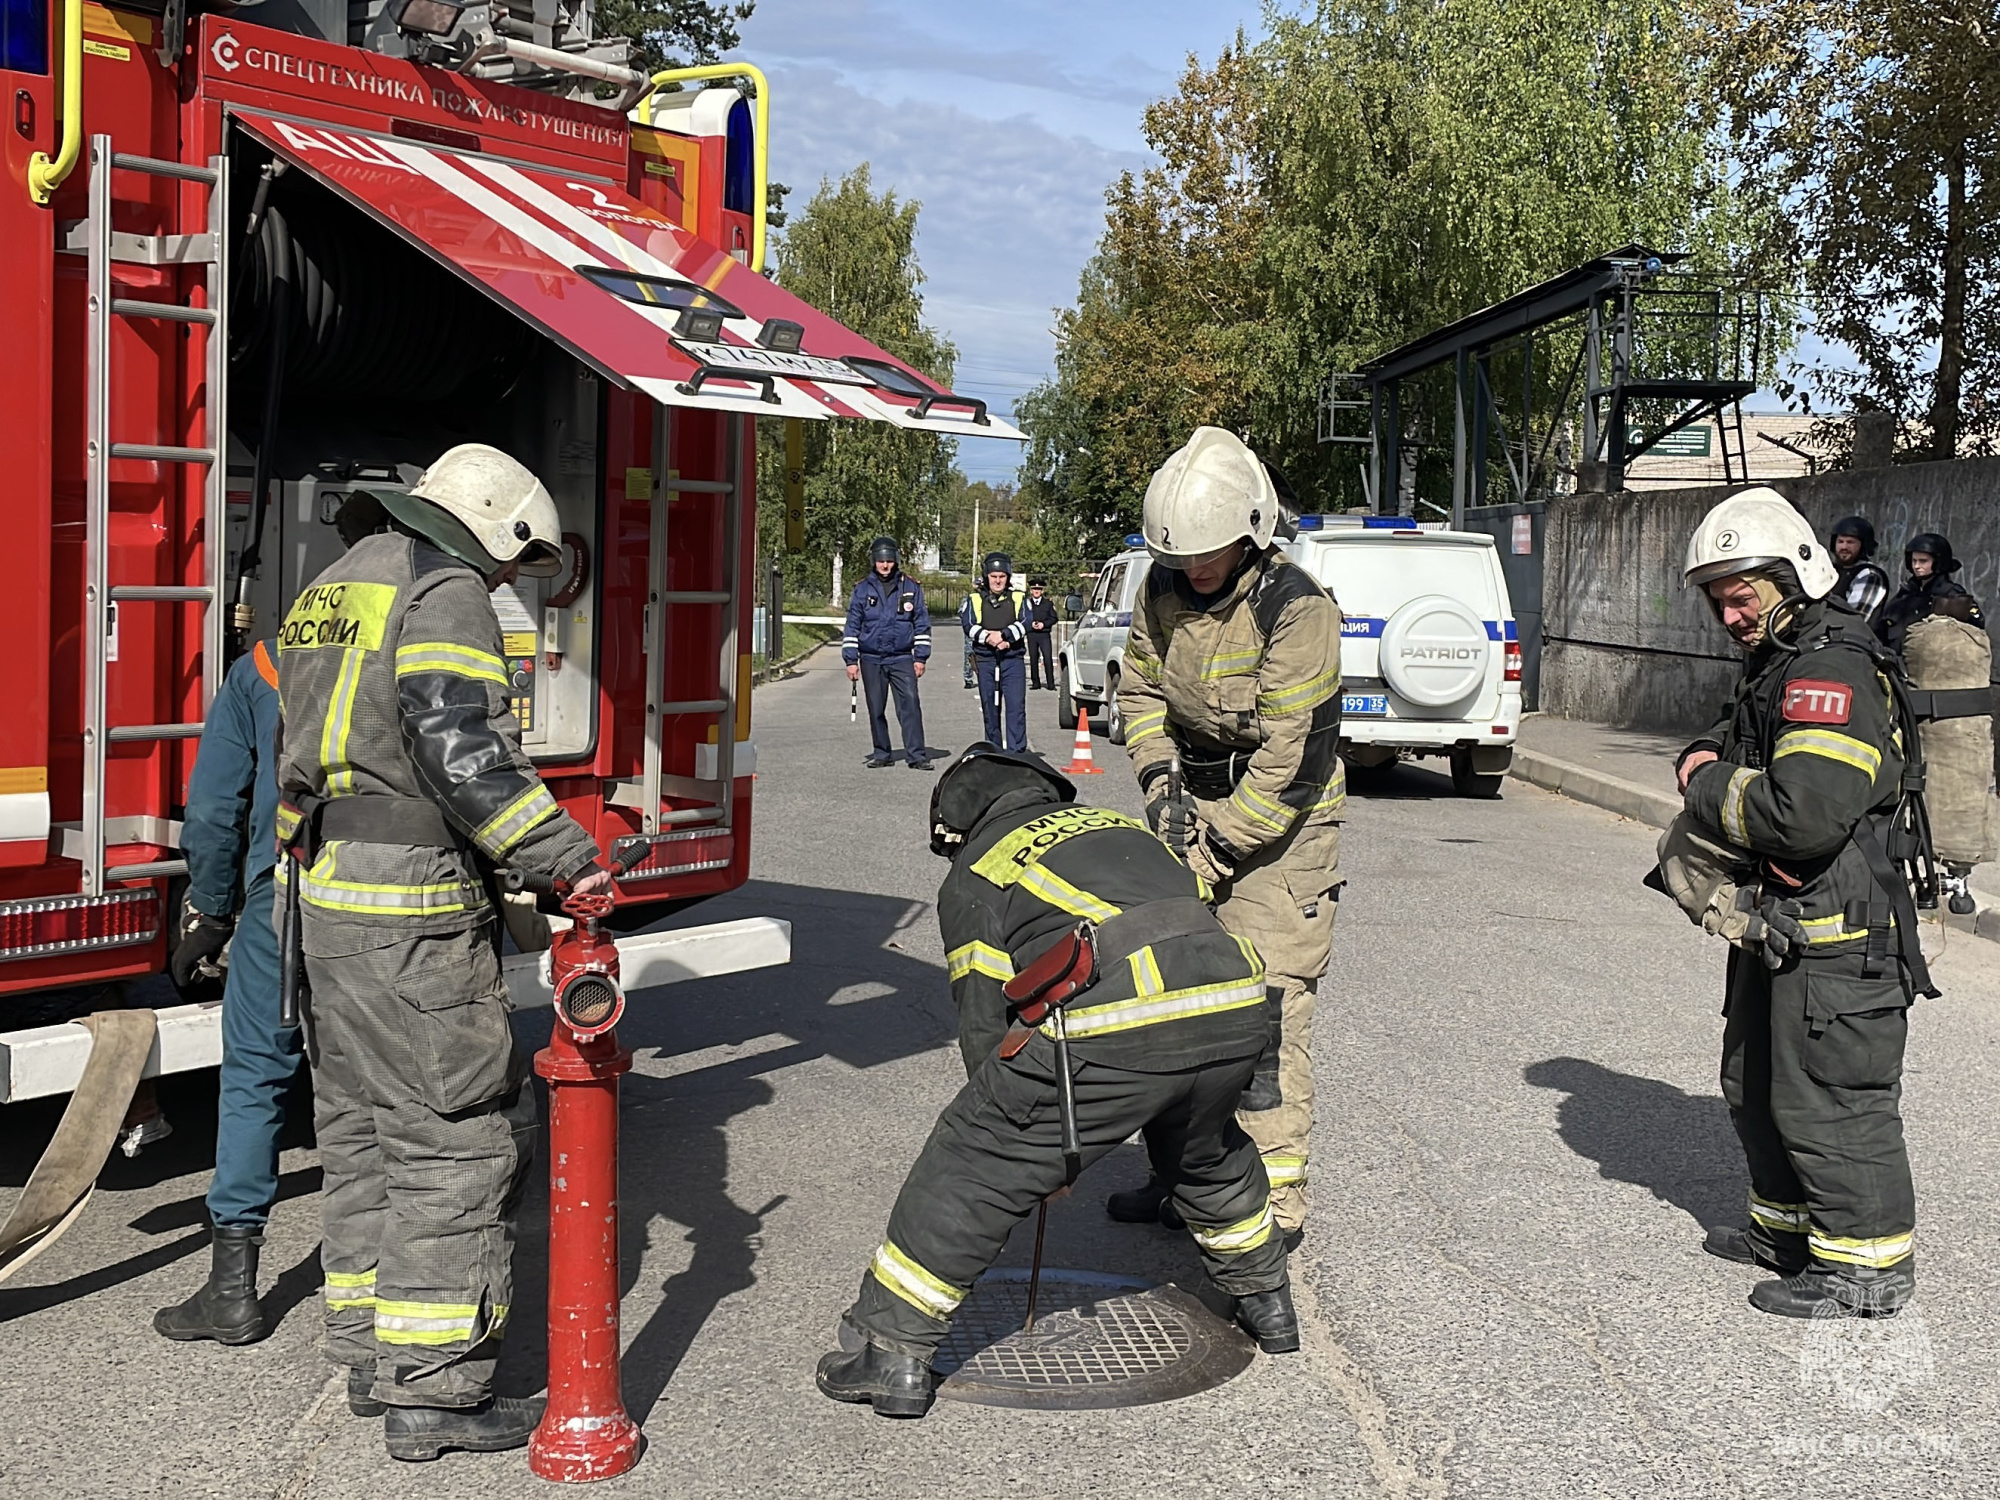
pixel 1625 644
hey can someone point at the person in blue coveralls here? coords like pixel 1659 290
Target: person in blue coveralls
pixel 231 852
pixel 886 646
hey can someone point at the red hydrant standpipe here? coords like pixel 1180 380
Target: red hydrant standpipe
pixel 585 1434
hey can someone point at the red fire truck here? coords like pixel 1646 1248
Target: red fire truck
pixel 253 267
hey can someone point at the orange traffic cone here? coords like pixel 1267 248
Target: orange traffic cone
pixel 1080 763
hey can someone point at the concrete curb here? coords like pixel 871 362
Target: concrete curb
pixel 784 668
pixel 1579 783
pixel 1642 804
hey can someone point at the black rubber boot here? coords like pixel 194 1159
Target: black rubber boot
pixel 1270 1319
pixel 1736 1245
pixel 418 1434
pixel 361 1393
pixel 896 1385
pixel 225 1309
pixel 1851 1291
pixel 1142 1205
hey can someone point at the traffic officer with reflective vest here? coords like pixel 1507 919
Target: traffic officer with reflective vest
pixel 886 645
pixel 1097 994
pixel 1804 776
pixel 227 839
pixel 995 621
pixel 1232 714
pixel 403 786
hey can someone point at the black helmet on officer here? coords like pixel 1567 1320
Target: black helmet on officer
pixel 1935 547
pixel 997 562
pixel 884 550
pixel 1858 527
pixel 976 785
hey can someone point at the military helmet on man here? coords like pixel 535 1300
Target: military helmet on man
pixel 997 562
pixel 1861 529
pixel 1758 531
pixel 1211 492
pixel 884 549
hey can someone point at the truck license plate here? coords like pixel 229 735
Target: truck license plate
pixel 1365 705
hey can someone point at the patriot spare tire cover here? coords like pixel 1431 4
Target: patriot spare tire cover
pixel 1435 651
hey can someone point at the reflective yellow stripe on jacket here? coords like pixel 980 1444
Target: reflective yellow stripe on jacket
pixel 1174 1005
pixel 979 958
pixel 324 888
pixel 516 821
pixel 450 657
pixel 339 723
pixel 1825 743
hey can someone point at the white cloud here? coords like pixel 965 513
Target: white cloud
pixel 1010 212
pixel 1006 121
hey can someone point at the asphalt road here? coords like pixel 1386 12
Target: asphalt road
pixel 1520 1143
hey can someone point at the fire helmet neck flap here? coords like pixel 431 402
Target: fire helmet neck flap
pixel 979 778
pixel 484 509
pixel 1213 491
pixel 1756 530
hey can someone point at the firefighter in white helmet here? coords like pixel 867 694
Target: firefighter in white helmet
pixel 1796 791
pixel 403 785
pixel 1231 696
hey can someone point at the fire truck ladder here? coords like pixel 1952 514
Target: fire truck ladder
pixel 105 247
pixel 717 793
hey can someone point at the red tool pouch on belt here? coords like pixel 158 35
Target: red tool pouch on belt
pixel 1067 969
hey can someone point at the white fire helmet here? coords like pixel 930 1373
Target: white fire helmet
pixel 504 507
pixel 1211 492
pixel 1756 529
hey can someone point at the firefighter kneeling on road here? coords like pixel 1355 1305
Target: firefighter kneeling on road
pixel 1074 941
pixel 1793 831
pixel 403 784
pixel 1232 715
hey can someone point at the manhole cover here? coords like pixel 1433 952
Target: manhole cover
pixel 1098 1341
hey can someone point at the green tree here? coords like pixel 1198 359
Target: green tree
pixel 851 253
pixel 1870 129
pixel 673 33
pixel 1368 171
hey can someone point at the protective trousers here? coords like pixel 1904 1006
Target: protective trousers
pixel 260 1061
pixel 996 1152
pixel 1003 682
pixel 881 675
pixel 1284 900
pixel 426 1124
pixel 1812 1066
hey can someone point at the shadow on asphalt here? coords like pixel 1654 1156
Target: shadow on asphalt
pixel 1680 1147
pixel 849 994
pixel 1404 781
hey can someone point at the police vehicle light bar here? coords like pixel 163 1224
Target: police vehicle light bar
pixel 1136 539
pixel 1389 523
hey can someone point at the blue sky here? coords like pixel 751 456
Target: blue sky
pixel 1007 121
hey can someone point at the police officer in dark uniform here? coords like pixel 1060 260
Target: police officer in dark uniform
pixel 995 622
pixel 1041 636
pixel 1166 1035
pixel 886 646
pixel 1862 586
pixel 1803 774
